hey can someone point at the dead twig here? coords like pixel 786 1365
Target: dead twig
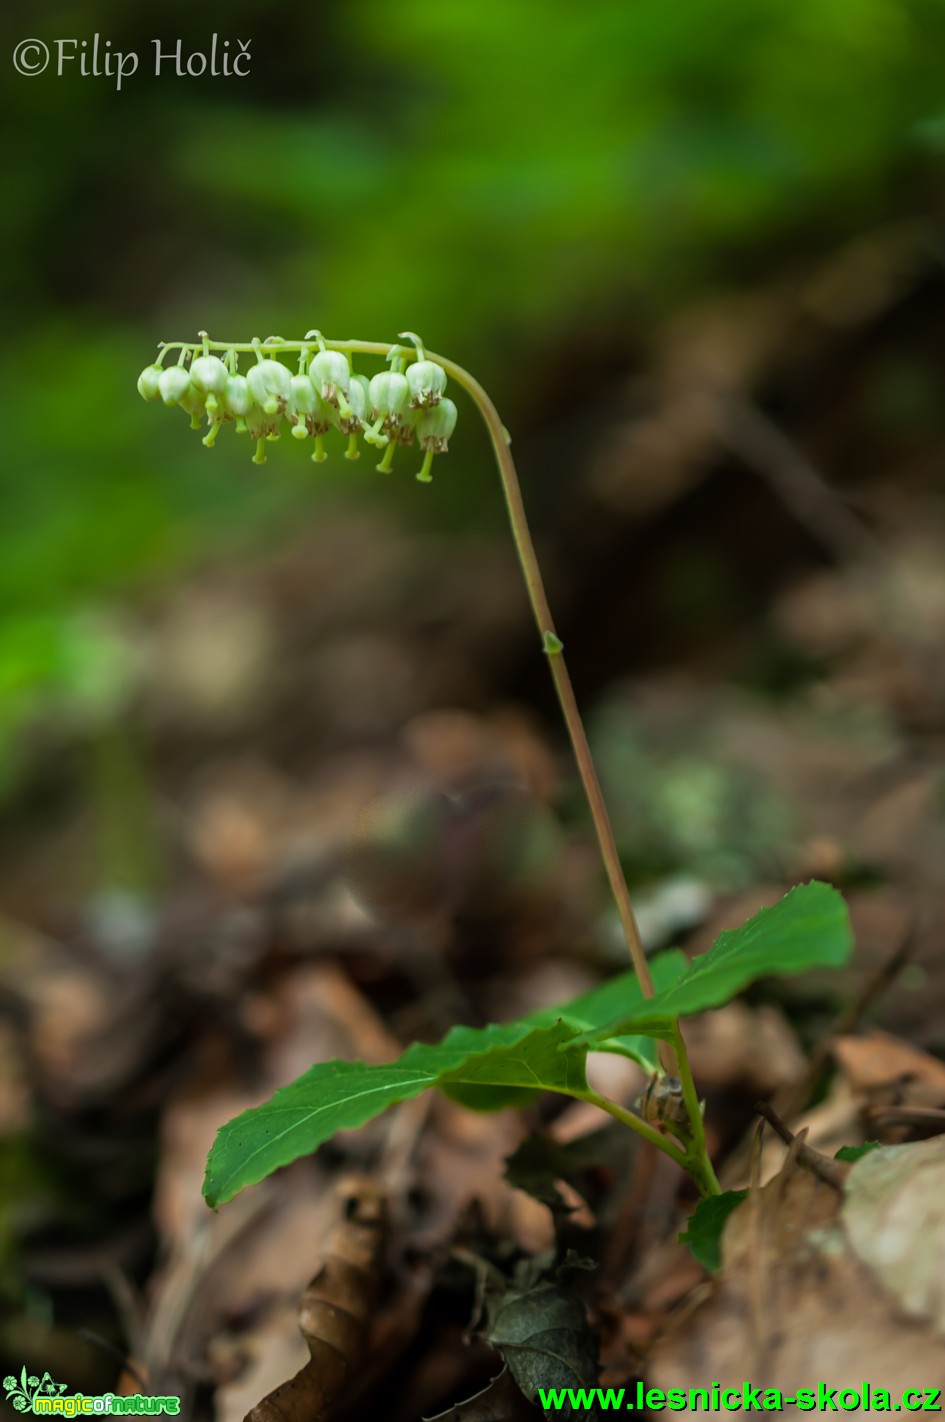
pixel 832 1172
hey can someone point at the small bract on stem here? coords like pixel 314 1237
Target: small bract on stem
pixel 388 410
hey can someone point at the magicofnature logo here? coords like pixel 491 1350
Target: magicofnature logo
pixel 24 1393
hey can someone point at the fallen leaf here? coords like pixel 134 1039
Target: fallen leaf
pixel 876 1062
pixel 543 1334
pixel 894 1214
pixel 794 1305
pixel 335 1310
pixel 501 1401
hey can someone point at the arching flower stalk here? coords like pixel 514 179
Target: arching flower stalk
pixel 387 411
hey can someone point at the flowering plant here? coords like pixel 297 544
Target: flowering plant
pixel 635 1015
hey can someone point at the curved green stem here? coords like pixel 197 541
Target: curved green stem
pixel 699 1165
pixel 691 1157
pixel 636 1123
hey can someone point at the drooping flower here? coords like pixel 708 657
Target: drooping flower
pixel 149 388
pixel 389 393
pixel 270 384
pixel 434 428
pixel 208 374
pixel 331 375
pixel 426 381
pixel 173 384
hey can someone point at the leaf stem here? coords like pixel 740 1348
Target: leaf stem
pixel 698 1163
pixel 636 1123
pixel 690 1095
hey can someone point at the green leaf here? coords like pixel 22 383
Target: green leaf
pixel 486 1069
pixel 852 1153
pixel 487 1098
pixel 809 928
pixel 703 1234
pixel 583 1013
pixel 620 995
pixel 338 1096
pixel 494 1067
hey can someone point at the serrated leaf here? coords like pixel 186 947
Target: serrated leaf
pixel 497 1066
pixel 338 1096
pixel 620 995
pixel 590 1010
pixel 486 1068
pixel 808 928
pixel 703 1234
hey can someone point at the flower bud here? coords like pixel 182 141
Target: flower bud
pixel 173 384
pixel 236 399
pixel 270 384
pixel 303 398
pixel 426 381
pixel 208 374
pixel 331 375
pixel 149 382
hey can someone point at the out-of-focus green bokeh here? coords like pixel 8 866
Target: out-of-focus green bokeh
pixel 495 176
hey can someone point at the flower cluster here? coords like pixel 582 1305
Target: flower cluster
pixel 389 409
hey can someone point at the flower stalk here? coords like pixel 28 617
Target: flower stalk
pixel 406 400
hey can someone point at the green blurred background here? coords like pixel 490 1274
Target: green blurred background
pixel 525 184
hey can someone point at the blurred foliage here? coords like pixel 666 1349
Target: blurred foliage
pixel 679 803
pixel 500 178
